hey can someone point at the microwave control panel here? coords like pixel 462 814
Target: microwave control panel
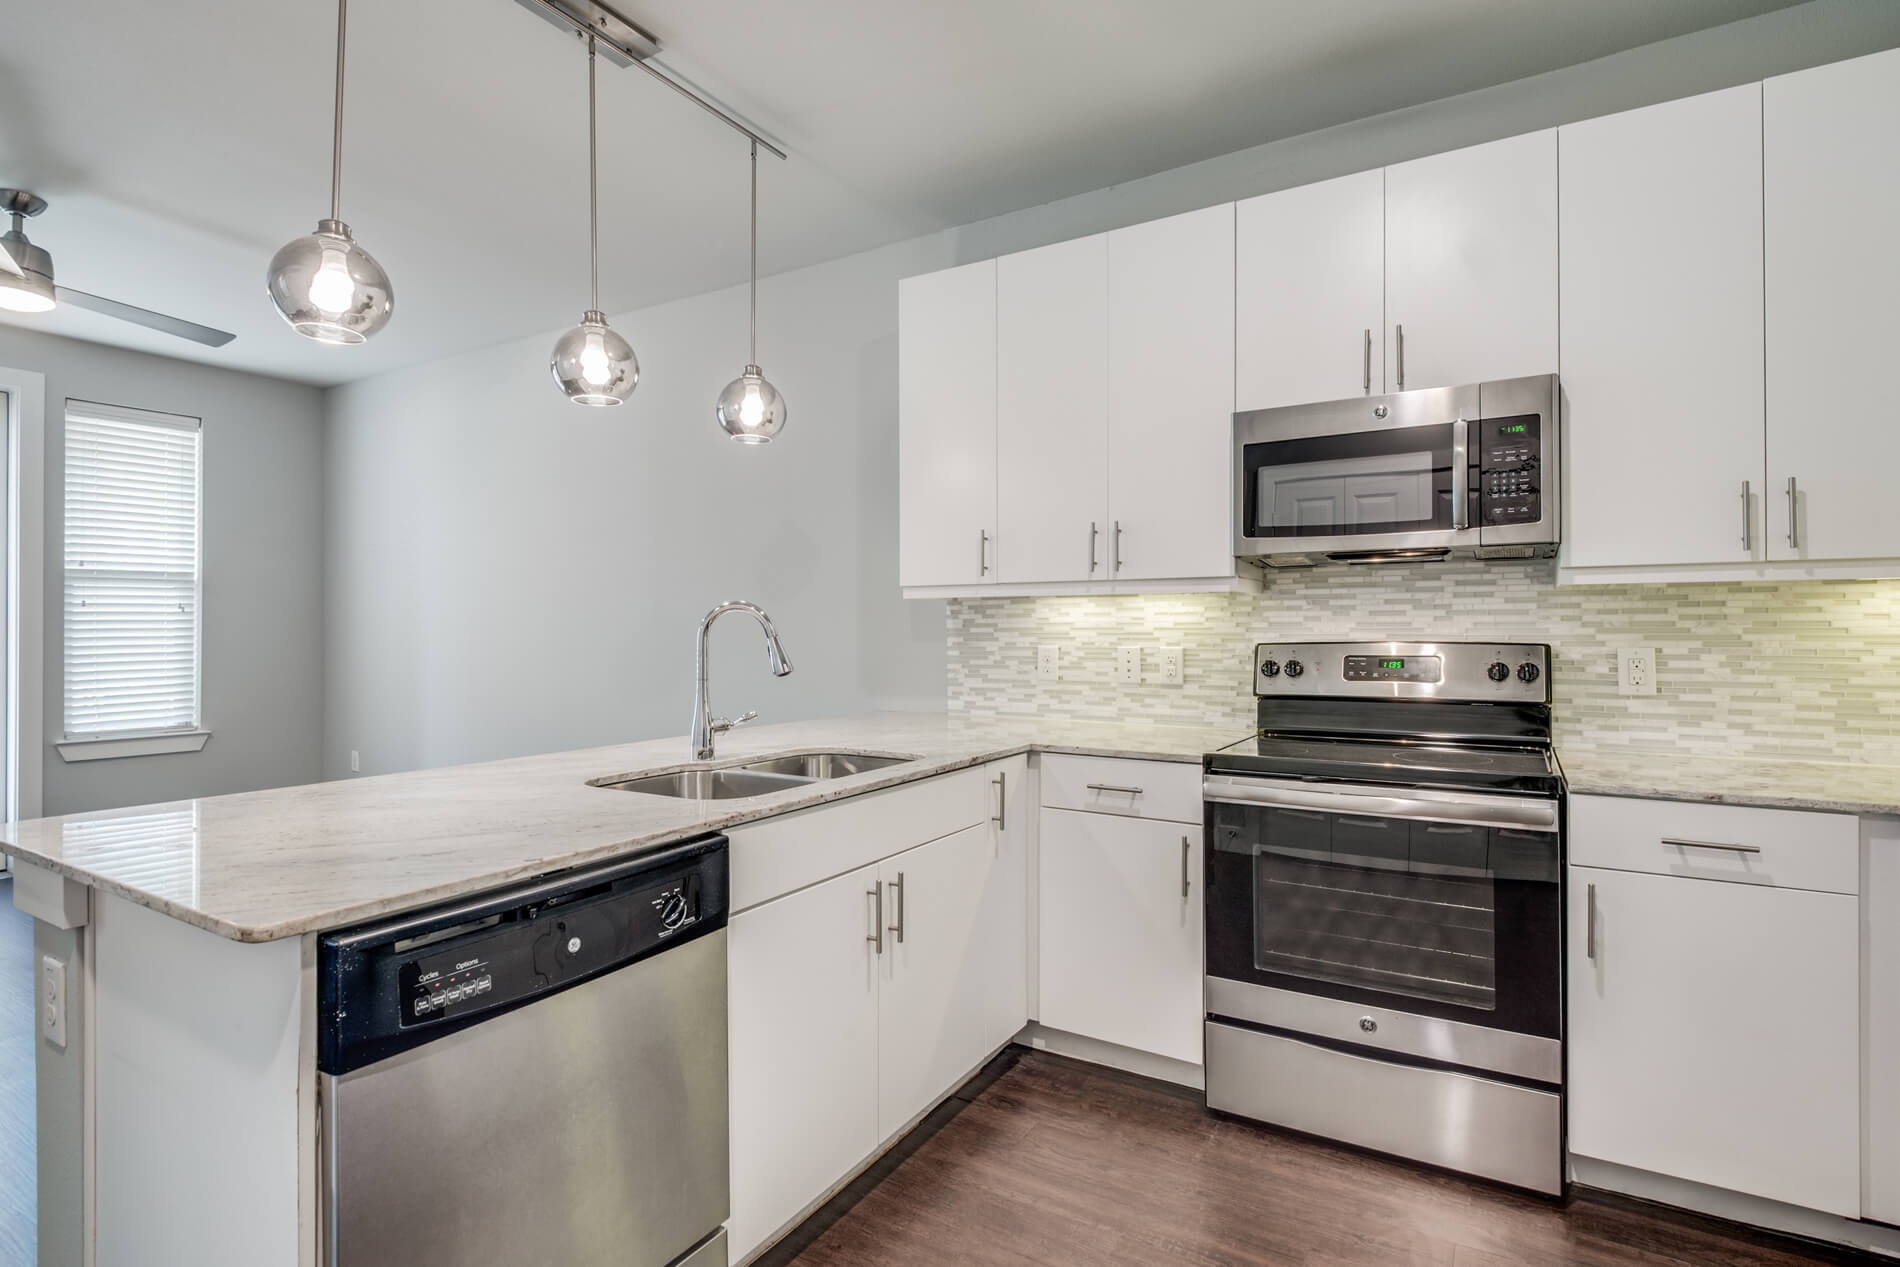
pixel 1509 459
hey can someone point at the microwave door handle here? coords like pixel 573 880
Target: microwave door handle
pixel 1460 474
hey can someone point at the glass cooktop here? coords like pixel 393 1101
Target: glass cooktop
pixel 1531 769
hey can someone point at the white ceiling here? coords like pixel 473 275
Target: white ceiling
pixel 181 143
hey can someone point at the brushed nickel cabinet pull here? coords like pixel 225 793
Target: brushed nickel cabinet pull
pixel 1002 800
pixel 1590 922
pixel 1747 536
pixel 1710 844
pixel 1115 551
pixel 983 552
pixel 1185 848
pixel 1094 532
pixel 1115 787
pixel 876 937
pixel 898 927
pixel 1368 360
pixel 1794 502
pixel 1400 330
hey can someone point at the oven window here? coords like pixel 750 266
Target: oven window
pixel 1368 483
pixel 1450 918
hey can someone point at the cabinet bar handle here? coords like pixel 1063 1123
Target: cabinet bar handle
pixel 1794 532
pixel 1401 339
pixel 876 937
pixel 1590 922
pixel 1002 801
pixel 1094 532
pixel 983 552
pixel 1747 540
pixel 898 927
pixel 1368 360
pixel 1184 868
pixel 1116 549
pixel 1114 787
pixel 1710 844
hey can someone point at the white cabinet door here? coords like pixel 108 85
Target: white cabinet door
pixel 1662 332
pixel 952 992
pixel 1309 301
pixel 1171 397
pixel 1120 947
pixel 803 1025
pixel 1471 264
pixel 1052 411
pixel 1880 989
pixel 1832 181
pixel 1714 1034
pixel 946 408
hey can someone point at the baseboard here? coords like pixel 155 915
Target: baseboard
pixel 1735 1207
pixel 1127 1059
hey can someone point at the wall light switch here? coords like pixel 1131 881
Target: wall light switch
pixel 1636 671
pixel 356 762
pixel 1170 666
pixel 1128 665
pixel 53 1000
pixel 1048 660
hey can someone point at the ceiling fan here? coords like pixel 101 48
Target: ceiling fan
pixel 26 281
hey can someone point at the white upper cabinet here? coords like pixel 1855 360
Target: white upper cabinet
pixel 1471 264
pixel 946 353
pixel 1309 302
pixel 1170 398
pixel 1052 412
pixel 1662 332
pixel 1832 161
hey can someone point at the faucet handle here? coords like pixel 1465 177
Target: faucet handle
pixel 722 724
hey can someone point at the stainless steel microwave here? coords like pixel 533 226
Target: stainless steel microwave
pixel 1471 471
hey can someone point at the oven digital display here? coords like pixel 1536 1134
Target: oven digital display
pixel 1417 668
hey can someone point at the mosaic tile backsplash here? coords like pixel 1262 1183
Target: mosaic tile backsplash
pixel 1805 670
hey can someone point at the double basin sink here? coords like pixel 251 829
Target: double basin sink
pixel 754 778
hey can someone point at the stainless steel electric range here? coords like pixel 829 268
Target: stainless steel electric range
pixel 1384 905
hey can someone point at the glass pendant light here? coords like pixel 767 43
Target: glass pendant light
pixel 326 286
pixel 592 364
pixel 750 409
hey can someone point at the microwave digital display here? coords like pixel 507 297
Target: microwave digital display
pixel 1513 429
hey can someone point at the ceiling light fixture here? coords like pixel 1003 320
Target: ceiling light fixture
pixel 326 286
pixel 751 409
pixel 592 364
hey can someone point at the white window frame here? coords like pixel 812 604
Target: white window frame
pixel 149 743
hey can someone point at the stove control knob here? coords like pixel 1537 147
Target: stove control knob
pixel 1498 671
pixel 1294 668
pixel 1269 668
pixel 1527 672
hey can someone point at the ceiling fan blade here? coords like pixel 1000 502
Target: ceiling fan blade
pixel 158 321
pixel 6 262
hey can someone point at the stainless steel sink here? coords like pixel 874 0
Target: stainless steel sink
pixel 754 778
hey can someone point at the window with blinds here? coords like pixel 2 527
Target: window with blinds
pixel 132 511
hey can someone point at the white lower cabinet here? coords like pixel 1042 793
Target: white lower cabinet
pixel 1119 902
pixel 1714 1033
pixel 845 1027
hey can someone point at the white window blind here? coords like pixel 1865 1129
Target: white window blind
pixel 132 508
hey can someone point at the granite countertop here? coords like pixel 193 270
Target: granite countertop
pixel 1839 787
pixel 259 866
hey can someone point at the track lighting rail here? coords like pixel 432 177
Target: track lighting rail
pixel 630 44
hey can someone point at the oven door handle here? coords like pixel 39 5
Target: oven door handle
pixel 1478 810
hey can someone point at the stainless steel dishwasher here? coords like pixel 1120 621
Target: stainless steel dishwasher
pixel 536 1075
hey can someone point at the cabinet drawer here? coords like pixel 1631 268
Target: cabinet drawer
pixel 1790 849
pixel 1115 785
pixel 776 856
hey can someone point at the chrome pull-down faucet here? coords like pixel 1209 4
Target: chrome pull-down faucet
pixel 705 725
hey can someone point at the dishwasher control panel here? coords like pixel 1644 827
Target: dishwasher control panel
pixel 402 982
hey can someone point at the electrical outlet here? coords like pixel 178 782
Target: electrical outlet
pixel 1170 666
pixel 1636 671
pixel 53 1000
pixel 356 762
pixel 1128 665
pixel 1048 660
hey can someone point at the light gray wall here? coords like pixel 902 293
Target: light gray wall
pixel 508 573
pixel 262 551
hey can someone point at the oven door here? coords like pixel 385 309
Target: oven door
pixel 1433 913
pixel 1359 477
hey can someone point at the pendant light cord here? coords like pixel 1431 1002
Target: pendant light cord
pixel 754 359
pixel 336 139
pixel 593 184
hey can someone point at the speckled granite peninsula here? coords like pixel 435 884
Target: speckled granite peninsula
pixel 260 866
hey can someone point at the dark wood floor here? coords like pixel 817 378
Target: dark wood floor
pixel 1060 1163
pixel 18 1213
